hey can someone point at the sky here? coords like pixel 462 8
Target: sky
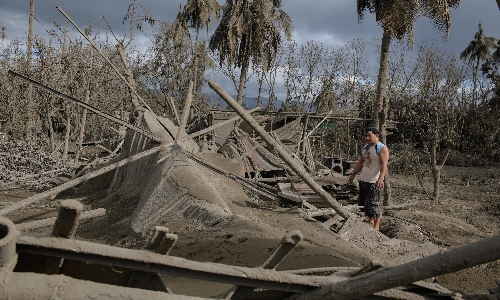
pixel 331 22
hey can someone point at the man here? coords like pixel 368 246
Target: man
pixel 373 167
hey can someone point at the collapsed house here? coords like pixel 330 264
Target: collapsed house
pixel 162 176
pixel 164 180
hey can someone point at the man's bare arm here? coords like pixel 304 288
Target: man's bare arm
pixel 357 169
pixel 384 161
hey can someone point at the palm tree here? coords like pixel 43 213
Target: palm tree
pixel 397 18
pixel 250 31
pixel 196 14
pixel 477 50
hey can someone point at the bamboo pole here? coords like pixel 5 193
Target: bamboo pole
pixel 298 169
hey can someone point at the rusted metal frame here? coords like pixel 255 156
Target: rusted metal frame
pixel 89 107
pixel 43 286
pixel 64 227
pixel 156 263
pixel 104 57
pixel 448 261
pixel 288 243
pixel 298 169
pixel 50 221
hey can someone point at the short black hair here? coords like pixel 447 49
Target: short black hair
pixel 374 130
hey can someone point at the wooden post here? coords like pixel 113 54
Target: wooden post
pixel 298 169
pixel 65 227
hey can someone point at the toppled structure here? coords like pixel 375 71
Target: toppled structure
pixel 157 181
pixel 105 271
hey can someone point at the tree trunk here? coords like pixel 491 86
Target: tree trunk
pixel 382 103
pixel 30 107
pixel 50 128
pixel 195 63
pixel 82 127
pixel 129 76
pixel 241 88
pixel 68 129
pixel 436 171
pixel 475 82
pixel 387 183
pixel 387 190
pixel 379 117
pixel 243 74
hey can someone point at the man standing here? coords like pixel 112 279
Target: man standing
pixel 373 166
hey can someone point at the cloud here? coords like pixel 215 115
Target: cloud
pixel 332 23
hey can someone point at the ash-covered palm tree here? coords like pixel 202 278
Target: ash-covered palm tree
pixel 196 14
pixel 477 50
pixel 249 31
pixel 397 18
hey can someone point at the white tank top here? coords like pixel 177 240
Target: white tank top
pixel 371 165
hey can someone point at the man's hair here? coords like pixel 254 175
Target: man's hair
pixel 374 130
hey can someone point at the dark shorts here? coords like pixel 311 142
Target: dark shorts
pixel 369 197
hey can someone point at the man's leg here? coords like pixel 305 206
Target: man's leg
pixel 377 209
pixel 373 208
pixel 371 222
pixel 361 197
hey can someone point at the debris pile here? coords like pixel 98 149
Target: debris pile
pixel 29 163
